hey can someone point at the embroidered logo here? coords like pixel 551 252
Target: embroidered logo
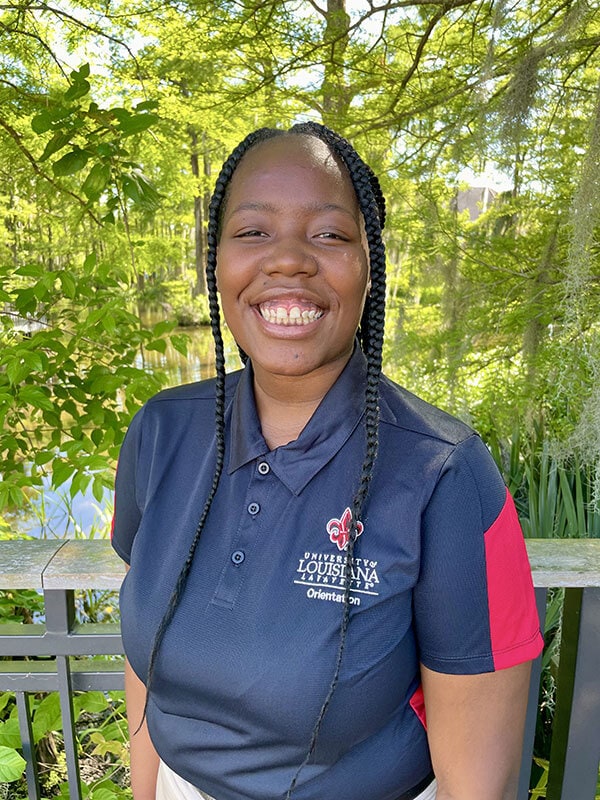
pixel 339 529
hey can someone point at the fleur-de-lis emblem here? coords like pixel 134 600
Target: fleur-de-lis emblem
pixel 339 529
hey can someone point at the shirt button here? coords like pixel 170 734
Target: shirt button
pixel 253 509
pixel 238 556
pixel 264 468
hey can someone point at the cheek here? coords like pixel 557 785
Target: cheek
pixel 354 280
pixel 224 277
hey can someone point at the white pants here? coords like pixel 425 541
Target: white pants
pixel 170 786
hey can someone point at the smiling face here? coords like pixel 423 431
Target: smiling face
pixel 292 269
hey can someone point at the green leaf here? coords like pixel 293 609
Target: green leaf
pixel 5 698
pixel 180 342
pixel 98 488
pixel 78 89
pixel 61 472
pixel 136 123
pixel 106 384
pixel 96 182
pixel 162 327
pixel 109 324
pixel 25 301
pixel 158 344
pixel 146 105
pixel 103 793
pixel 36 397
pixel 95 316
pixel 42 122
pixel 10 736
pixel 83 71
pixel 12 765
pixel 69 286
pixel 47 717
pixel 31 270
pixel 92 702
pixel 89 263
pixel 56 143
pixel 43 457
pixel 71 162
pixel 41 290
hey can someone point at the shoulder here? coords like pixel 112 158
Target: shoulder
pixel 446 459
pixel 406 412
pixel 173 412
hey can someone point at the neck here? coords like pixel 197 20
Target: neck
pixel 286 403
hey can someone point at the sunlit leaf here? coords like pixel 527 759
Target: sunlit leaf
pixel 12 765
pixel 71 163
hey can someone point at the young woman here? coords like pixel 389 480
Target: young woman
pixel 329 595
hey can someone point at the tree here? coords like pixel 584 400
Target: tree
pixel 496 317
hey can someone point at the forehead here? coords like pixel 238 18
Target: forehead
pixel 293 164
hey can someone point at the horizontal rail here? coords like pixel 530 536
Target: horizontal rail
pixel 93 564
pixel 59 568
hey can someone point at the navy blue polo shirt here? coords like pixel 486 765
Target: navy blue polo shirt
pixel 440 575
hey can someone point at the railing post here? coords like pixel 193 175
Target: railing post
pixel 532 706
pixel 60 617
pixel 26 730
pixel 575 751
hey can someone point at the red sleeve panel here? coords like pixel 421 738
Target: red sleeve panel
pixel 511 600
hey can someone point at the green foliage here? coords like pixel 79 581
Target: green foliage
pixel 67 390
pixel 98 135
pixel 554 496
pixel 485 320
pixel 103 742
pixel 20 605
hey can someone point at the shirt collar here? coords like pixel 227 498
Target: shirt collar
pixel 296 463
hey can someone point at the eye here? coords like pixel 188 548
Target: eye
pixel 334 235
pixel 250 234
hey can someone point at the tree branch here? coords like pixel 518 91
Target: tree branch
pixel 17 138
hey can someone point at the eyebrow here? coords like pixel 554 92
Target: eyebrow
pixel 269 207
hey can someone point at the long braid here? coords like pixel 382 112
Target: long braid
pixel 214 223
pixel 372 206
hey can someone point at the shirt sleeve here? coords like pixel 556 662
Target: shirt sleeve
pixel 127 505
pixel 474 602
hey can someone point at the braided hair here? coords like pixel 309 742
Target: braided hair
pixel 370 335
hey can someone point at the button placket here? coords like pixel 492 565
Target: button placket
pixel 250 525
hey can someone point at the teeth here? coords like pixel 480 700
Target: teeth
pixel 293 316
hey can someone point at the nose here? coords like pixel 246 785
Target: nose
pixel 289 256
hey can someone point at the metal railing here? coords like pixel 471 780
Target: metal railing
pixel 58 569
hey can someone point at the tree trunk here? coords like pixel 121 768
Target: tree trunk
pixel 336 95
pixel 199 249
pixel 535 328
